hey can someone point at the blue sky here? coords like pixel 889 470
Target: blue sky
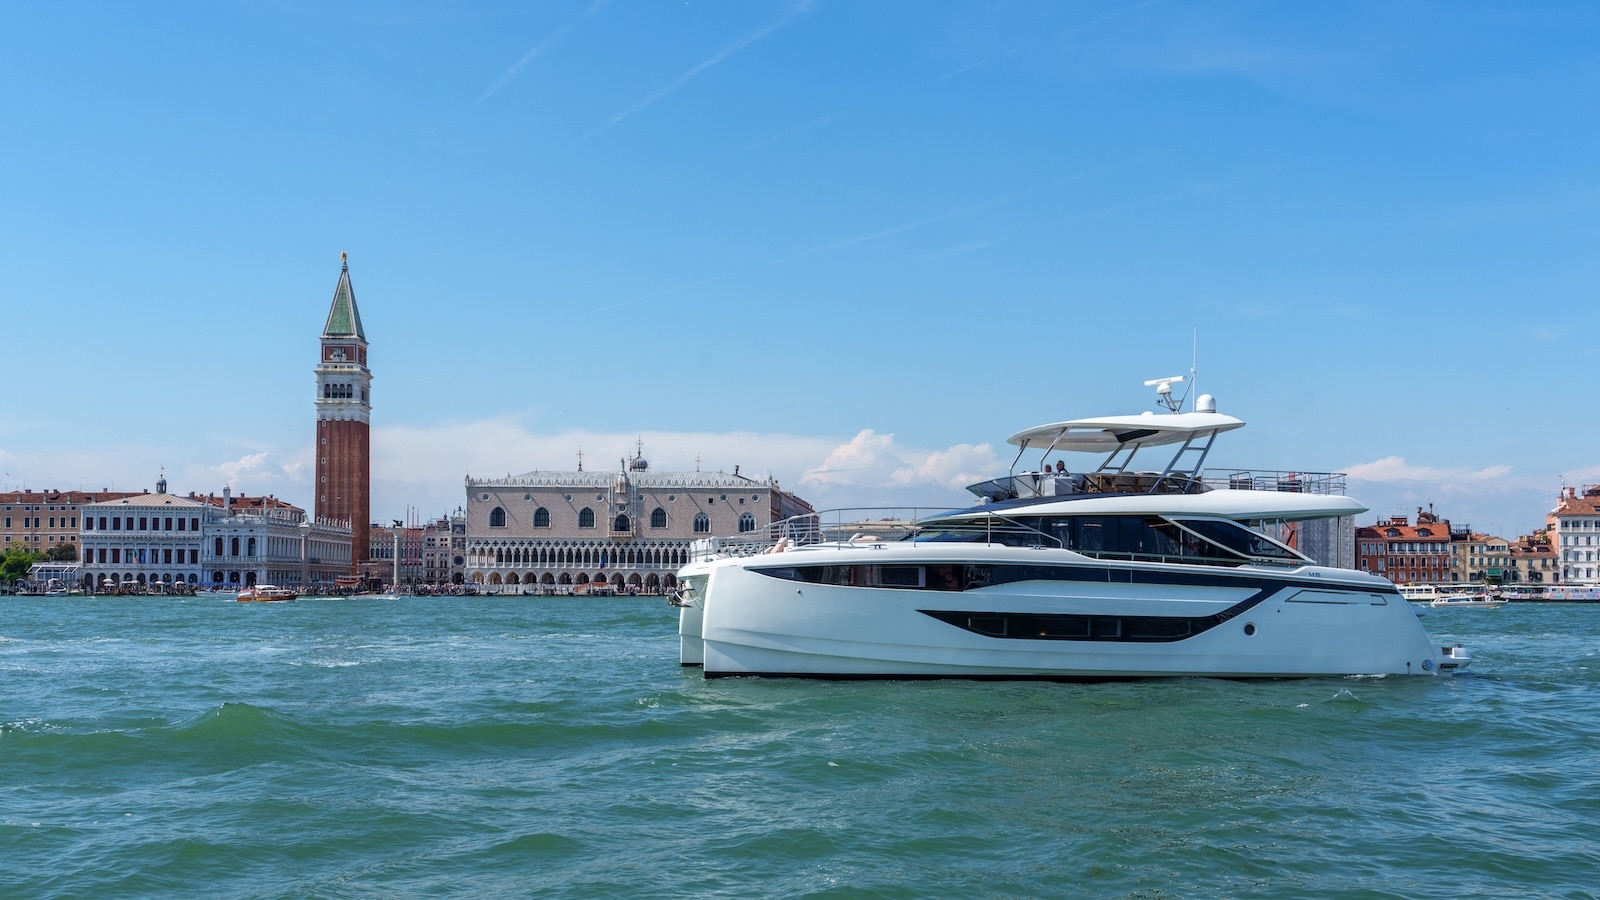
pixel 850 244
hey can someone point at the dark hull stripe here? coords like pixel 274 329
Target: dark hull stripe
pixel 1012 573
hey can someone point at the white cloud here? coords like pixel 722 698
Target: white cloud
pixel 955 468
pixel 245 464
pixel 1395 468
pixel 869 458
pixel 872 469
pixel 1490 498
pixel 1584 475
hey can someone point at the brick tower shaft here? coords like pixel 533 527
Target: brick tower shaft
pixel 344 416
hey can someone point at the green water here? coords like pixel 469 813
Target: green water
pixel 520 747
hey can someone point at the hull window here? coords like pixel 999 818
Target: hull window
pixel 1121 629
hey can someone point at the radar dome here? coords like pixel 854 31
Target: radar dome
pixel 1205 403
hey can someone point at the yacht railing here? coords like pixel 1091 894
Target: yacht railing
pixel 1029 485
pixel 858 525
pixel 884 524
pixel 1327 483
pixel 863 526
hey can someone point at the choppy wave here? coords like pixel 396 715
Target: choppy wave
pixel 532 747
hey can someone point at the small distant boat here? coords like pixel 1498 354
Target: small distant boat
pixel 1471 601
pixel 1423 593
pixel 266 592
pixel 1472 596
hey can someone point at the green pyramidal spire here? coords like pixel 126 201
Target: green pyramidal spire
pixel 344 320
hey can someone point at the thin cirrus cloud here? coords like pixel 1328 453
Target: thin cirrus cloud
pixel 672 86
pixel 538 50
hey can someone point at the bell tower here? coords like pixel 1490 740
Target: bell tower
pixel 344 417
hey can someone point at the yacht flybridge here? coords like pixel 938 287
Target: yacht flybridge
pixel 1056 573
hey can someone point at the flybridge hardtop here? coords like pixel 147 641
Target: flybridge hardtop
pixel 1290 496
pixel 1121 438
pixel 1111 433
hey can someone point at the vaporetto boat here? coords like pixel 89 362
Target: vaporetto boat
pixel 1057 574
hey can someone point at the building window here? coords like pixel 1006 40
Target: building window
pixel 747 522
pixel 658 519
pixel 541 518
pixel 218 551
pixel 497 517
pixel 702 524
pixel 251 548
pixel 620 523
pixel 586 518
pixel 235 547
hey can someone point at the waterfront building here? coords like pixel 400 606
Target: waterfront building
pixel 444 550
pixel 1406 553
pixel 52 577
pixel 430 554
pixel 265 540
pixel 142 539
pixel 623 531
pixel 1575 530
pixel 40 520
pixel 1533 561
pixel 344 420
pixel 1481 558
pixel 149 539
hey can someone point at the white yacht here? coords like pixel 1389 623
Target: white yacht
pixel 1059 574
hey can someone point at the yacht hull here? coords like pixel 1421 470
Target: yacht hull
pixel 1048 614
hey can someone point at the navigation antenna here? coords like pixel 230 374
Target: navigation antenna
pixel 1163 386
pixel 1164 396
